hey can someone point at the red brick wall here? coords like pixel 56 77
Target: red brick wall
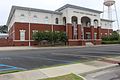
pixel 25 26
pixel 76 43
pixel 5 42
pixel 103 31
pixel 43 27
pixel 69 31
pixel 59 28
pixel 39 27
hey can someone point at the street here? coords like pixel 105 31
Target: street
pixel 39 58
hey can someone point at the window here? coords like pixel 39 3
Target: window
pixel 56 21
pixel 22 35
pixel 88 35
pixel 105 24
pixel 46 19
pixel 22 16
pixel 105 33
pixel 35 17
pixel 101 24
pixel 95 35
pixel 110 33
pixel 95 22
pixel 34 31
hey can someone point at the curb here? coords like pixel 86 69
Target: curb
pixel 81 76
pixel 59 47
pixel 100 69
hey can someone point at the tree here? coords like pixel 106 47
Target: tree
pixel 38 36
pixel 3 29
pixel 63 37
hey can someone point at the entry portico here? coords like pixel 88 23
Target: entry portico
pixel 82 24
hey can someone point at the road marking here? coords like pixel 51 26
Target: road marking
pixel 4 67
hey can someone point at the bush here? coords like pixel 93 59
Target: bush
pixel 114 37
pixel 110 42
pixel 51 37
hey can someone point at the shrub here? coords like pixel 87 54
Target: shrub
pixel 52 37
pixel 114 37
pixel 110 42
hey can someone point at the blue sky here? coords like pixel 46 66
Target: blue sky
pixel 5 6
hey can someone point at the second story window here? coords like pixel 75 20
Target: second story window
pixel 22 16
pixel 46 20
pixel 56 21
pixel 35 17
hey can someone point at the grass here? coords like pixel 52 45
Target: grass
pixel 65 77
pixel 7 72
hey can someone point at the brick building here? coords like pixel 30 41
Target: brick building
pixel 81 24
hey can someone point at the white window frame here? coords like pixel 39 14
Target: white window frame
pixel 35 17
pixel 22 16
pixel 34 31
pixel 95 35
pixel 106 34
pixel 46 19
pixel 22 35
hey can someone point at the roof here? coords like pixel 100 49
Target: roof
pixel 77 7
pixel 29 9
pixel 107 20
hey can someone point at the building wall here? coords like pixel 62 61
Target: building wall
pixel 33 26
pixel 22 20
pixel 106 24
pixel 34 17
pixel 43 27
pixel 40 17
pixel 82 13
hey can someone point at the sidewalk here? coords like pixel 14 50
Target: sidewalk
pixel 33 48
pixel 58 71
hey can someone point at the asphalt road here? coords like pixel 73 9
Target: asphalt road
pixel 108 74
pixel 30 59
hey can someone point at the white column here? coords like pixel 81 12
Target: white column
pixel 29 17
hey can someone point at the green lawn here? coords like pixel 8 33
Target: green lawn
pixel 66 77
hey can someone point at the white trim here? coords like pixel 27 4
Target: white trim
pixel 22 32
pixel 23 41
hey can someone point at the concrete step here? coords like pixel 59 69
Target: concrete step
pixel 89 44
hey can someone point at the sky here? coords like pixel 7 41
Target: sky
pixel 5 6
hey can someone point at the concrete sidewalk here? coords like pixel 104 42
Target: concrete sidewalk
pixel 33 48
pixel 57 71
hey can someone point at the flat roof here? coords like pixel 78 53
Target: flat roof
pixel 78 7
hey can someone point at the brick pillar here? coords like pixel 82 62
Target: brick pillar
pixel 79 31
pixel 69 31
pixel 92 32
pixel 98 32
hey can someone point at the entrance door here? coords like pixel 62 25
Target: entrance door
pixel 88 36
